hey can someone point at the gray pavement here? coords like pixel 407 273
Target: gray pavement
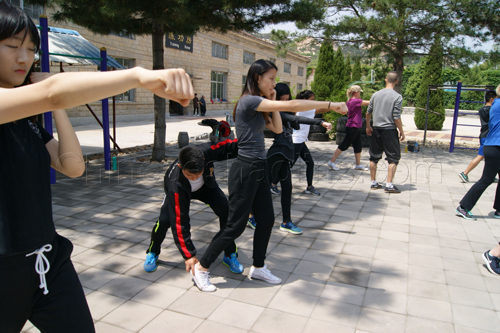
pixel 367 261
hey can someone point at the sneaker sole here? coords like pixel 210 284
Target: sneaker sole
pixel 462 178
pixel 488 265
pixel 309 192
pixel 249 225
pixel 496 216
pixel 197 285
pixel 361 169
pixel 463 216
pixel 267 281
pixel 394 192
pixel 151 271
pixel 290 231
pixel 376 188
pixel 231 269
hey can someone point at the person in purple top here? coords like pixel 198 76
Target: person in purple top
pixel 353 133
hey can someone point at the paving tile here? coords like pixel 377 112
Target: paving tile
pixel 429 309
pixel 236 314
pixel 294 303
pixel 316 270
pixel 324 257
pixel 196 304
pixel 210 326
pixel 101 327
pixel 465 280
pixel 94 278
pixel 425 261
pixel 419 325
pixel 124 286
pixel 336 312
pixel 91 257
pixel 385 300
pixel 172 322
pixel 355 262
pixel 251 293
pixel 427 289
pixel 355 249
pixel 350 276
pixel 390 268
pixel 158 295
pixel 470 297
pixel 388 282
pixel 476 318
pixel 118 264
pixel 131 315
pixel 375 321
pixel 304 284
pixel 316 325
pixel 101 304
pixel 289 251
pixel 277 321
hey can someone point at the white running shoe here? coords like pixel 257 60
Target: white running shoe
pixel 202 280
pixel 332 166
pixel 361 167
pixel 264 274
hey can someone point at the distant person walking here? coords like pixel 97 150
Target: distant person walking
pixel 385 105
pixel 196 105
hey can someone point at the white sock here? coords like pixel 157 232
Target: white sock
pixel 389 185
pixel 374 182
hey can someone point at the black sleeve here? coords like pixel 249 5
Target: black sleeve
pixel 295 121
pixel 178 211
pixel 46 136
pixel 222 151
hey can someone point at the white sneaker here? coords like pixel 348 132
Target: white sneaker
pixel 264 274
pixel 333 166
pixel 202 280
pixel 361 167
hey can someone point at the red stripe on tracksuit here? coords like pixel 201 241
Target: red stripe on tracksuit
pixel 222 143
pixel 178 227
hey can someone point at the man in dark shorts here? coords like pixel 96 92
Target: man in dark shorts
pixel 385 105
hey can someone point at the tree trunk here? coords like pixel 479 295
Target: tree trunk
pixel 159 103
pixel 398 67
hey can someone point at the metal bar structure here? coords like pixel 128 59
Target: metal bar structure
pixel 105 115
pixel 45 64
pixel 99 122
pixel 455 117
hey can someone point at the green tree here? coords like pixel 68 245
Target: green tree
pixel 401 29
pixel 431 75
pixel 338 72
pixel 410 89
pixel 324 75
pixel 348 69
pixel 156 18
pixel 473 77
pixel 356 70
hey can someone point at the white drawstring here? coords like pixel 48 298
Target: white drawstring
pixel 41 262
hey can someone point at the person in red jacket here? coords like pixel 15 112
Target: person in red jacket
pixel 191 176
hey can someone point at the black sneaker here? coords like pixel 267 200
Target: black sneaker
pixel 392 189
pixel 376 187
pixel 311 190
pixel 496 214
pixel 274 189
pixel 492 263
pixel 460 211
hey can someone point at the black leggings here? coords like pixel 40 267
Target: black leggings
pixel 300 149
pixel 278 167
pixel 214 197
pixel 64 309
pixel 248 192
pixel 491 169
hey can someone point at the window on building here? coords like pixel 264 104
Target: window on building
pixel 243 81
pixel 33 11
pixel 128 96
pixel 287 68
pixel 123 34
pixel 219 50
pixel 248 57
pixel 299 87
pixel 300 71
pixel 273 60
pixel 287 83
pixel 218 83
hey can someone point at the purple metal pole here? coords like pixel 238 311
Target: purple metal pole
pixel 455 117
pixel 105 115
pixel 45 64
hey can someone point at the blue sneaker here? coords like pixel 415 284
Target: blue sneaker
pixel 251 222
pixel 291 228
pixel 233 263
pixel 492 263
pixel 151 263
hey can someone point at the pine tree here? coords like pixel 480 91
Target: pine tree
pixel 338 72
pixel 356 71
pixel 473 78
pixel 323 76
pixel 432 75
pixel 348 70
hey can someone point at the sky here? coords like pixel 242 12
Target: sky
pixel 290 26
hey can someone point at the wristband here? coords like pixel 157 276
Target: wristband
pixel 329 105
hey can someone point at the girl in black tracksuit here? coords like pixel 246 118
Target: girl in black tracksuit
pixel 248 182
pixel 281 154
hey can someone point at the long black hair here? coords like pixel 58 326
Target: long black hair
pixel 281 90
pixel 258 68
pixel 13 21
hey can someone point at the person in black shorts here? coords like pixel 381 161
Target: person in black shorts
pixel 385 105
pixel 38 281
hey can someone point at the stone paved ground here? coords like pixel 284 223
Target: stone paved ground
pixel 367 261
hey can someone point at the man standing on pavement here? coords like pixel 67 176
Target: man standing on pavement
pixel 203 106
pixel 385 105
pixel 195 105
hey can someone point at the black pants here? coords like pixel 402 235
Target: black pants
pixel 385 140
pixel 352 137
pixel 214 197
pixel 64 309
pixel 300 149
pixel 248 192
pixel 196 109
pixel 491 169
pixel 203 110
pixel 278 167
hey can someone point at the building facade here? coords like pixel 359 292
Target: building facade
pixel 217 63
